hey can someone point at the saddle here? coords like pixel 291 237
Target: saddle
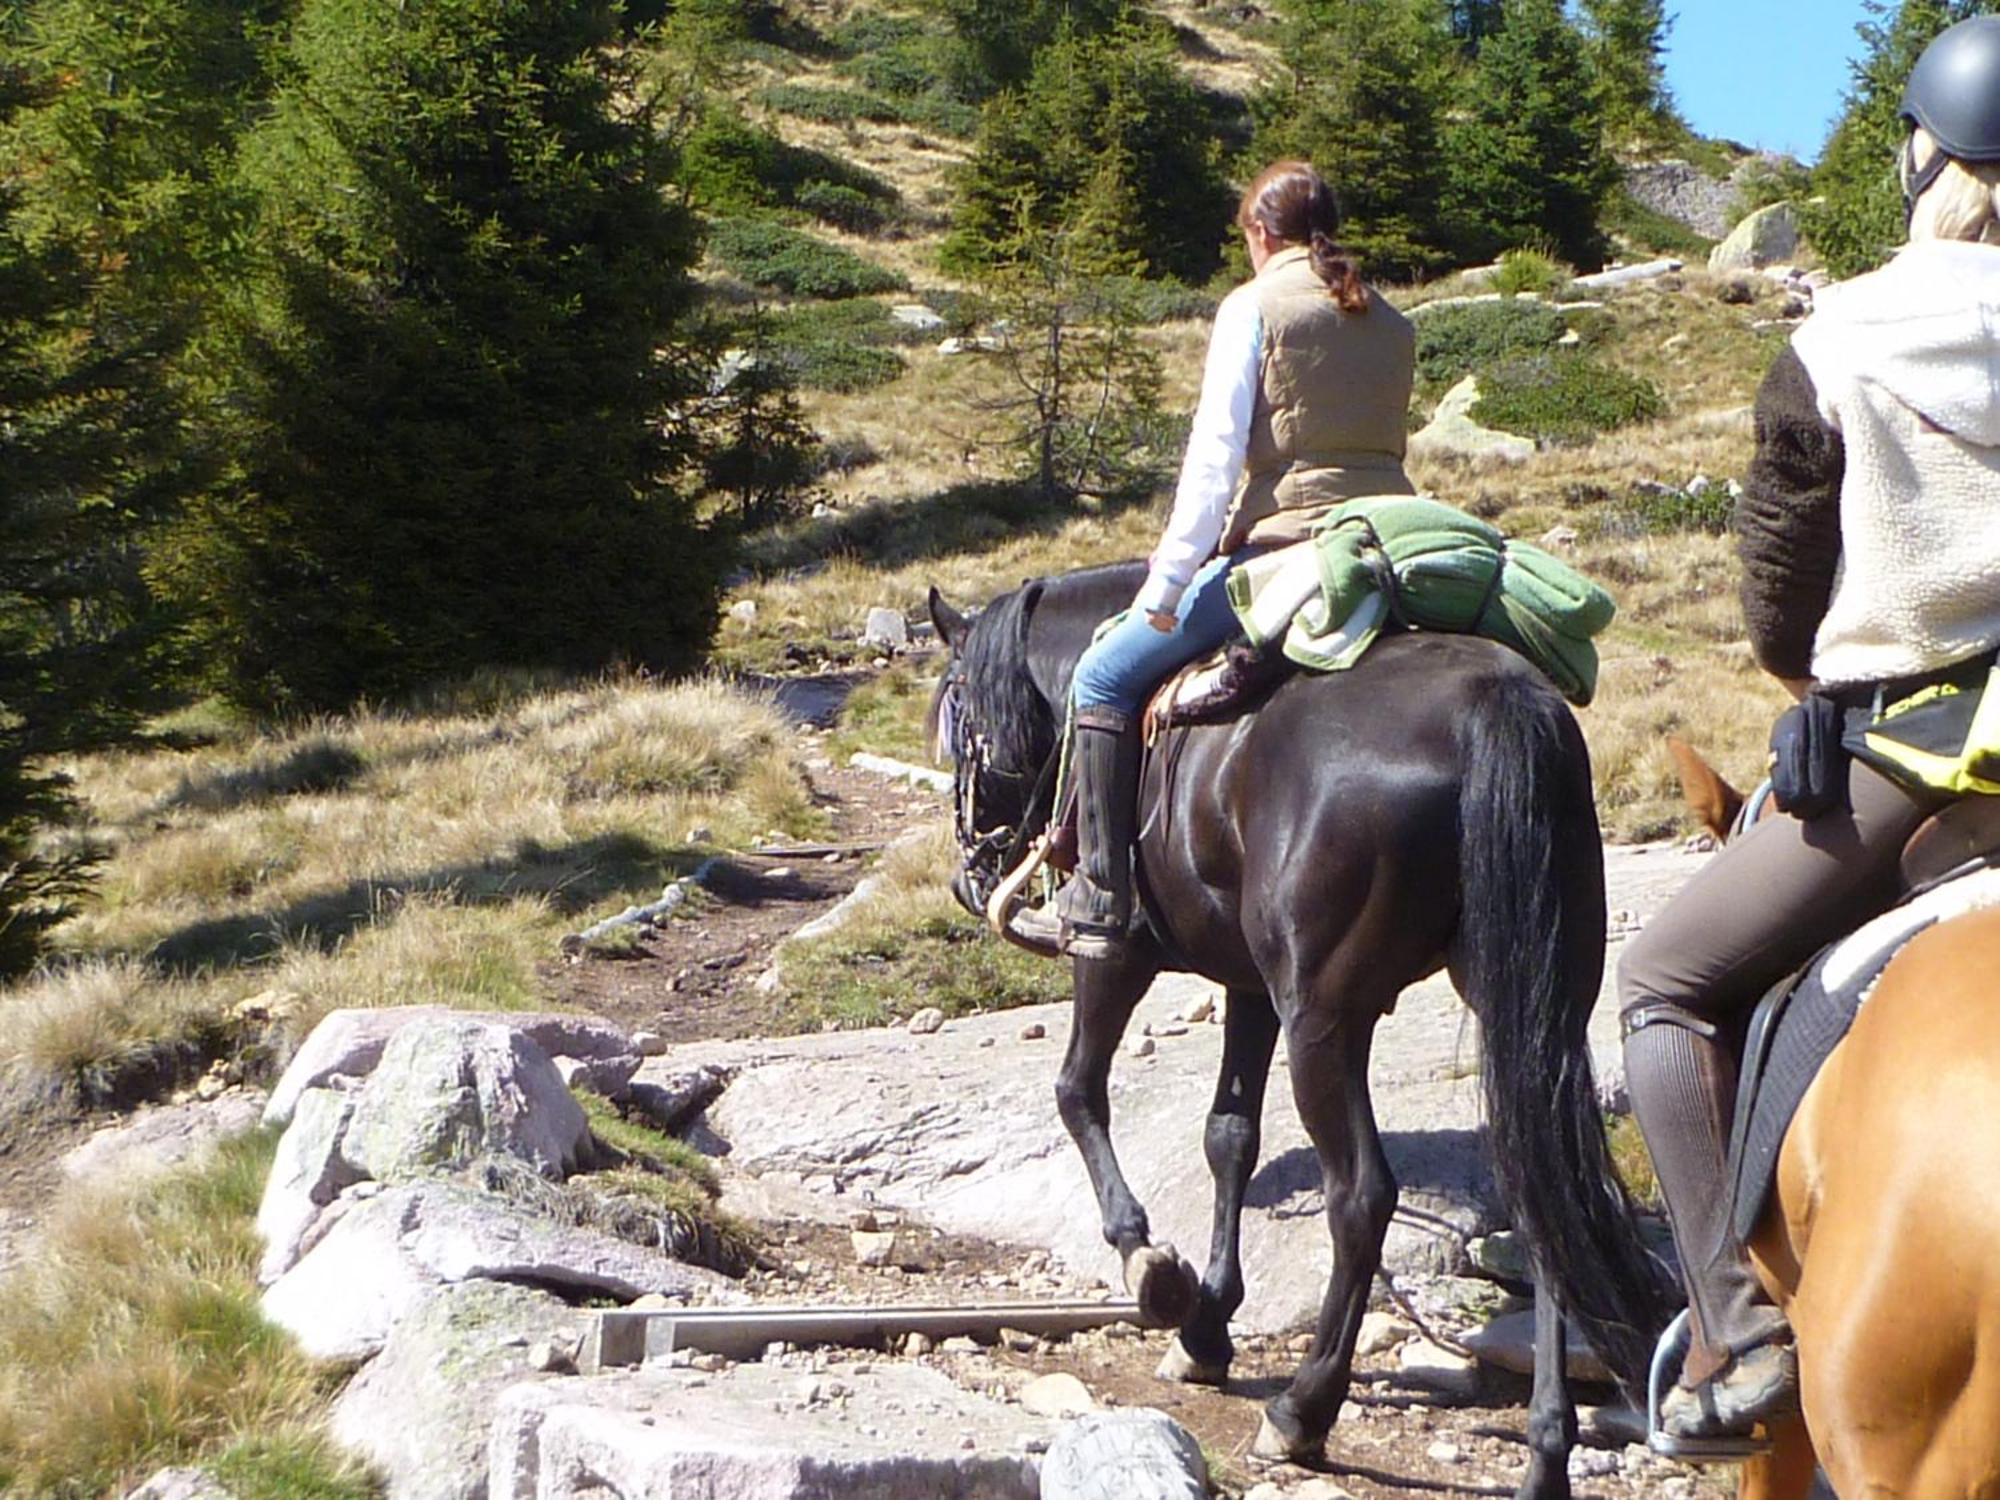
pixel 1950 866
pixel 1224 685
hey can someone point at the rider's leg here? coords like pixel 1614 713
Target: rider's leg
pixel 1110 687
pixel 1750 916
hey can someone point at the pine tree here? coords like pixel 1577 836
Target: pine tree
pixel 1363 101
pixel 1860 219
pixel 1628 40
pixel 1473 21
pixel 1119 98
pixel 87 446
pixel 1526 158
pixel 457 421
pixel 997 40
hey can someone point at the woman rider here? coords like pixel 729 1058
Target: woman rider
pixel 1303 402
pixel 1870 538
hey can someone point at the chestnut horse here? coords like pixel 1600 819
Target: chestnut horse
pixel 1882 1240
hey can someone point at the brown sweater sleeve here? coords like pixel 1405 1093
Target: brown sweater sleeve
pixel 1788 520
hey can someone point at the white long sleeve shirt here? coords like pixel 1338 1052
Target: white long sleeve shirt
pixel 1213 464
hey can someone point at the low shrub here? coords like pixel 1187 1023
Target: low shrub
pixel 770 255
pixel 730 166
pixel 1667 510
pixel 843 207
pixel 1563 397
pixel 842 106
pixel 1533 271
pixel 1455 341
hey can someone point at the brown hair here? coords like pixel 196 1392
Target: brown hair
pixel 1294 205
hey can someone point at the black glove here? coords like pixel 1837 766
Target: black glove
pixel 1808 765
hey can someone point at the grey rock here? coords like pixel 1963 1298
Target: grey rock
pixel 1134 1454
pixel 1502 1255
pixel 841 912
pixel 1766 237
pixel 182 1484
pixel 1439 1369
pixel 1059 1394
pixel 350 1043
pixel 1683 192
pixel 156 1139
pixel 1380 1332
pixel 1453 433
pixel 606 1076
pixel 447 1091
pixel 1509 1343
pixel 897 1433
pixel 915 315
pixel 382 1258
pixel 670 1097
pixel 649 1044
pixel 926 1022
pixel 885 627
pixel 1650 270
pixel 307 1174
pixel 419 1411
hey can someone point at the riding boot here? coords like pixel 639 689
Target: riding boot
pixel 1740 1368
pixel 1093 910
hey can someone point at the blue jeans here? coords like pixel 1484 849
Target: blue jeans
pixel 1120 670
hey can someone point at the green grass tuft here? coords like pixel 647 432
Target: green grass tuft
pixel 1563 397
pixel 768 254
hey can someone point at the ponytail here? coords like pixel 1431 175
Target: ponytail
pixel 1337 269
pixel 1294 205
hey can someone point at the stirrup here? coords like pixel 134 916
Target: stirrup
pixel 1668 1356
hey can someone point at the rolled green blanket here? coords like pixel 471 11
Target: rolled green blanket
pixel 1418 562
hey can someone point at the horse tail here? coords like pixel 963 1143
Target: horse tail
pixel 1531 955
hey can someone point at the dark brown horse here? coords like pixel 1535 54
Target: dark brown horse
pixel 1430 808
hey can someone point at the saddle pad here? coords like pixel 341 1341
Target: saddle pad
pixel 1801 1021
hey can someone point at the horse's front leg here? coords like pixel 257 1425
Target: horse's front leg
pixel 1202 1352
pixel 1329 1064
pixel 1551 1412
pixel 1106 990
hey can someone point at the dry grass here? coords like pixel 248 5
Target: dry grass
pixel 910 945
pixel 132 1340
pixel 382 859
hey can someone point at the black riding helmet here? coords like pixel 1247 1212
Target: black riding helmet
pixel 1954 93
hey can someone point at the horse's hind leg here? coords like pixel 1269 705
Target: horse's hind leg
pixel 1551 1412
pixel 1106 990
pixel 1202 1351
pixel 1329 1063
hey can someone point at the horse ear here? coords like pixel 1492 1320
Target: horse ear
pixel 1714 802
pixel 951 625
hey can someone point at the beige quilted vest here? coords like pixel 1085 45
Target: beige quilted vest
pixel 1333 397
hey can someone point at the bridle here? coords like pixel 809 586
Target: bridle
pixel 988 852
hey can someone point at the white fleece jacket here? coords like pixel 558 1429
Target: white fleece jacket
pixel 1906 363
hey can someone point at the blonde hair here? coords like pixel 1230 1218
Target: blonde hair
pixel 1962 204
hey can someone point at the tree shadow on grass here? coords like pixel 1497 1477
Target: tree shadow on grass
pixel 572 877
pixel 960 518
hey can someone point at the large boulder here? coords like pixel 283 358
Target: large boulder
pixel 377 1256
pixel 349 1043
pixel 448 1360
pixel 1768 237
pixel 867 1431
pixel 448 1091
pixel 1452 432
pixel 162 1137
pixel 307 1173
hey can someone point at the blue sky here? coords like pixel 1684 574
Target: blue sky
pixel 1767 73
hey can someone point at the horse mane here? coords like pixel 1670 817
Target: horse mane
pixel 999 692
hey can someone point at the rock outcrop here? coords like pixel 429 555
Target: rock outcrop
pixel 1768 237
pixel 1452 432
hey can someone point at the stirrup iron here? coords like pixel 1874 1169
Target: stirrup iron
pixel 1668 1356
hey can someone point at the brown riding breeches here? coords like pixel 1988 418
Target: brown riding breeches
pixel 1769 900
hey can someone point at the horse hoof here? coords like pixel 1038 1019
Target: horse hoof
pixel 1273 1446
pixel 1162 1283
pixel 1179 1365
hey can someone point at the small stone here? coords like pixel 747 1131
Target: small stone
pixel 1320 1489
pixel 874 1247
pixel 1501 1255
pixel 781 872
pixel 959 1344
pixel 987 1041
pixel 1350 1413
pixel 919 1343
pixel 651 1302
pixel 1034 1031
pixel 710 1364
pixel 1444 1453
pixel 1300 1343
pixel 1015 1339
pixel 743 611
pixel 701 833
pixel 551 1357
pixel 775 1351
pixel 809 1392
pixel 1266 1491
pixel 1380 1332
pixel 1198 1009
pixel 649 1043
pixel 885 627
pixel 1593 1463
pixel 1142 1046
pixel 926 1021
pixel 1171 1028
pixel 1057 1395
